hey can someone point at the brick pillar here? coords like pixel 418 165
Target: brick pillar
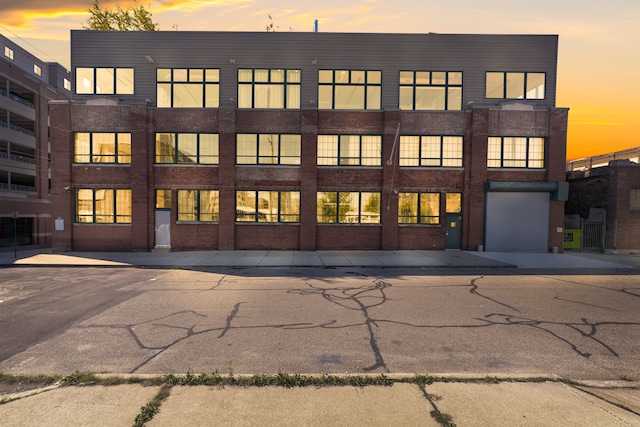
pixel 390 181
pixel 475 165
pixel 62 191
pixel 226 179
pixel 142 194
pixel 556 165
pixel 309 180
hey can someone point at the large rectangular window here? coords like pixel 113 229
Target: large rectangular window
pixel 102 147
pixel 104 81
pixel 430 90
pixel 198 205
pixel 515 152
pixel 349 150
pixel 349 90
pixel 188 87
pixel 103 206
pixel 187 148
pixel 431 151
pixel 348 207
pixel 267 149
pixel 268 206
pixel 268 88
pixel 419 208
pixel 515 85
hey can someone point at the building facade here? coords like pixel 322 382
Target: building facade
pixel 605 190
pixel 309 141
pixel 27 84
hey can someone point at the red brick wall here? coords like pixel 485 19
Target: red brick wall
pixel 265 236
pixel 349 237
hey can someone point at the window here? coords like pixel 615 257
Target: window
pixel 433 151
pixel 634 199
pixel 453 203
pixel 98 147
pixel 163 199
pixel 419 208
pixel 267 206
pixel 348 207
pixel 189 148
pixel 349 90
pixel 198 205
pixel 430 90
pixel 104 81
pixel 37 70
pixel 188 87
pixel 67 84
pixel 267 149
pixel 8 52
pixel 350 150
pixel 515 152
pixel 511 85
pixel 103 206
pixel 271 88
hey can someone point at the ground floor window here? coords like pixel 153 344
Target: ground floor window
pixel 348 207
pixel 419 208
pixel 198 205
pixel 103 206
pixel 267 206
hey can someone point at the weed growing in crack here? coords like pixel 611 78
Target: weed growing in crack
pixel 150 409
pixel 79 378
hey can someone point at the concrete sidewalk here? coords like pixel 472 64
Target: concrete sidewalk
pixel 258 258
pixel 547 403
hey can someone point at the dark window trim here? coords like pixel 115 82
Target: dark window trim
pixel 526 159
pixel 91 154
pixel 279 157
pixel 421 158
pixel 333 84
pixel 339 158
pixel 257 211
pixel 446 85
pixel 177 149
pixel 253 83
pixel 171 82
pixel 95 80
pixel 93 207
pixel 504 84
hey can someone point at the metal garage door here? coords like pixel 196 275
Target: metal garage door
pixel 517 222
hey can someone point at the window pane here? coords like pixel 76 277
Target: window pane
pixel 187 95
pixel 293 96
pixel 409 151
pixel 406 77
pixel 187 148
pixel 371 151
pixel 293 76
pixel 180 75
pixel 245 96
pixel 123 206
pixel 349 205
pixel 246 149
pixel 325 76
pixel 124 148
pixel 104 148
pixel 454 101
pixel 245 206
pixel 438 78
pixel 290 206
pixel 431 154
pixel 454 202
pixel 163 199
pixel 209 205
pixel 327 149
pixel 268 149
pixel 105 81
pixel 495 85
pixel 430 98
pixel 406 97
pixel 260 75
pixel 325 97
pixel 267 206
pixel 165 148
pixel 196 75
pixel 212 75
pixel 514 152
pixel 408 208
pixel 124 81
pixel 349 97
pixel 342 76
pixel 84 80
pixel 373 97
pixel 245 75
pixel 535 85
pixel 455 78
pixel 423 78
pixel 209 149
pixel 349 150
pixel 81 150
pixel 269 96
pixel 277 76
pixel 494 152
pixel 187 205
pixel 370 213
pixel 290 149
pixel 104 206
pixel 84 205
pixel 327 207
pixel 452 151
pixel 430 208
pixel 374 77
pixel 212 96
pixel 163 74
pixel 164 95
pixel 536 153
pixel 515 85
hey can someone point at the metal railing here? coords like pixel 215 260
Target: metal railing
pixel 17 128
pixel 16 98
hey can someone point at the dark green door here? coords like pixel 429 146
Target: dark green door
pixel 454 231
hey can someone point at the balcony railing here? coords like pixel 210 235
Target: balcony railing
pixel 17 128
pixel 15 187
pixel 17 158
pixel 16 98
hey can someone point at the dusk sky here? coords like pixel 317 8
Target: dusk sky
pixel 598 63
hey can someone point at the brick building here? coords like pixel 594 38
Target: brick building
pixel 309 141
pixel 607 187
pixel 27 84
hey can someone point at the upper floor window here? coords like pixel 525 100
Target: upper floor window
pixel 348 207
pixel 103 206
pixel 102 147
pixel 267 206
pixel 350 150
pixel 419 208
pixel 267 149
pixel 67 84
pixel 515 152
pixel 190 148
pixel 104 81
pixel 349 90
pixel 198 205
pixel 268 88
pixel 433 151
pixel 8 52
pixel 430 90
pixel 37 70
pixel 515 85
pixel 188 87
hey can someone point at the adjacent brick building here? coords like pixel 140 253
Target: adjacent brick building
pixel 27 84
pixel 309 141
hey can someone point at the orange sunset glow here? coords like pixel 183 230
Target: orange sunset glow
pixel 598 58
